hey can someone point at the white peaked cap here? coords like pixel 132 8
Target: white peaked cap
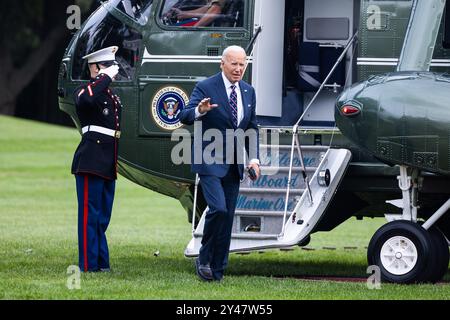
pixel 106 54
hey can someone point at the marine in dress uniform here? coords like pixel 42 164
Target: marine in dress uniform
pixel 95 161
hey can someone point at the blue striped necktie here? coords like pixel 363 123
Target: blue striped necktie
pixel 234 105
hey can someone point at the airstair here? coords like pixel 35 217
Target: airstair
pixel 262 219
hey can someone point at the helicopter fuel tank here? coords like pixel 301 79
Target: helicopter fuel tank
pixel 401 118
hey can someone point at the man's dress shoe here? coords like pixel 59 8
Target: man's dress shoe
pixel 203 271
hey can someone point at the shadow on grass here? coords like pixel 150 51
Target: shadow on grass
pixel 134 263
pixel 353 270
pixel 271 268
pixel 247 266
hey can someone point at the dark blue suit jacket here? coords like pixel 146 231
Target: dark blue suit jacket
pixel 220 119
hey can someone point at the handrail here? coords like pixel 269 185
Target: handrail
pixel 194 205
pixel 325 81
pixel 296 142
pixel 252 40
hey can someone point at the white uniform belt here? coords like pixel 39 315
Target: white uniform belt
pixel 108 132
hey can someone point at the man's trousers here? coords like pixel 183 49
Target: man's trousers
pixel 221 196
pixel 95 202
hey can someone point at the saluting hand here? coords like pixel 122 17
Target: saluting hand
pixel 111 71
pixel 205 106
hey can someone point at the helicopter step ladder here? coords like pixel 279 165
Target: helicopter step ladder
pixel 262 218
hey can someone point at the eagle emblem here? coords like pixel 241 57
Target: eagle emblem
pixel 171 108
pixel 166 107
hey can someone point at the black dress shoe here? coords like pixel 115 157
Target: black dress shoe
pixel 203 271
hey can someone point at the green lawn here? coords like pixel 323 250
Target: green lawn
pixel 38 240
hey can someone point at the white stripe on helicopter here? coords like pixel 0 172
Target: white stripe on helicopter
pixel 183 58
pixel 394 62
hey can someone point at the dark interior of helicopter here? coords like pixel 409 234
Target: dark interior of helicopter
pixel 316 33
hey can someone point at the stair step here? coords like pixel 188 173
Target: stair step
pixel 302 129
pixel 288 147
pixel 278 181
pixel 270 190
pixel 266 202
pixel 261 213
pixel 247 236
pixel 262 222
pixel 281 156
pixel 270 169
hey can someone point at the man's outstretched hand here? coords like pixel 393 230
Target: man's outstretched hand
pixel 205 106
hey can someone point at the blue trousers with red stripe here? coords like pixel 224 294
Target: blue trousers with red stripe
pixel 95 202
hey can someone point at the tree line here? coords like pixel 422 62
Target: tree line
pixel 33 38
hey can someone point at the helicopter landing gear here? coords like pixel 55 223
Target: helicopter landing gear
pixel 440 244
pixel 408 251
pixel 402 250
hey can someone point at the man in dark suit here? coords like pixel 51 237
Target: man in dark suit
pixel 95 161
pixel 226 104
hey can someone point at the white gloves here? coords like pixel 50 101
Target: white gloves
pixel 110 71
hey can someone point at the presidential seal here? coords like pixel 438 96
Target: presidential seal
pixel 166 107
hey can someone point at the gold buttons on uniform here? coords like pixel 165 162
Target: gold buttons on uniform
pixel 98 141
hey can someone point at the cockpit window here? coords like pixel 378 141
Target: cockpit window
pixel 203 13
pixel 101 31
pixel 139 10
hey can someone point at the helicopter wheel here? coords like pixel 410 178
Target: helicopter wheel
pixel 403 251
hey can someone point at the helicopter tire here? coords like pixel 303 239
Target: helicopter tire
pixel 304 242
pixel 442 256
pixel 403 251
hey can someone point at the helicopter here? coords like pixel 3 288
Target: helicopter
pixel 351 106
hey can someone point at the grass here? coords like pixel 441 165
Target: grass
pixel 38 240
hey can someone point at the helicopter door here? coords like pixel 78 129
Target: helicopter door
pixel 268 57
pixel 327 26
pixel 184 46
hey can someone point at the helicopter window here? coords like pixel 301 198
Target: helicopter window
pixel 203 13
pixel 139 10
pixel 101 31
pixel 327 28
